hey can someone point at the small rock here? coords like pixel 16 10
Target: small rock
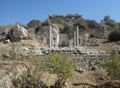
pixel 7 41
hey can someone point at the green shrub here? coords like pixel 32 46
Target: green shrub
pixel 34 23
pixel 56 64
pixel 39 62
pixel 81 23
pixel 114 36
pixel 113 64
pixel 61 65
pixel 92 24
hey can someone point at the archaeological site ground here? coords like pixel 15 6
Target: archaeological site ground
pixel 60 52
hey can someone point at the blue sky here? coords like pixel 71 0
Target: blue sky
pixel 22 11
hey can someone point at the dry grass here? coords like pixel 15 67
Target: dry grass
pixel 89 77
pixel 9 66
pixel 33 43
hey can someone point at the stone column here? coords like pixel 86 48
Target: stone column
pixel 50 36
pixel 77 36
pixel 57 41
pixel 74 38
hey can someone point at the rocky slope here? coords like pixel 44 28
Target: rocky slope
pixel 21 43
pixel 10 71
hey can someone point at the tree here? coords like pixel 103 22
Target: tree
pixel 114 36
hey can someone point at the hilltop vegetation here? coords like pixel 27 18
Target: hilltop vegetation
pixel 68 23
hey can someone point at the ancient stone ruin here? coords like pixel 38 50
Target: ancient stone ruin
pixel 55 39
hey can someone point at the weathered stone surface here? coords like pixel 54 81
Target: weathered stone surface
pixel 49 79
pixel 17 33
pixel 10 72
pixel 6 41
pixel 24 51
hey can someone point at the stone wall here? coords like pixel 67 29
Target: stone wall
pixel 89 62
pixel 63 40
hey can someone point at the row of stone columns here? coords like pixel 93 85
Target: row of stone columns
pixel 75 37
pixel 53 38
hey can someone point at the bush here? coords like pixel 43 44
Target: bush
pixel 34 23
pixel 81 23
pixel 113 64
pixel 54 63
pixel 57 64
pixel 92 24
pixel 61 65
pixel 114 36
pixel 111 24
